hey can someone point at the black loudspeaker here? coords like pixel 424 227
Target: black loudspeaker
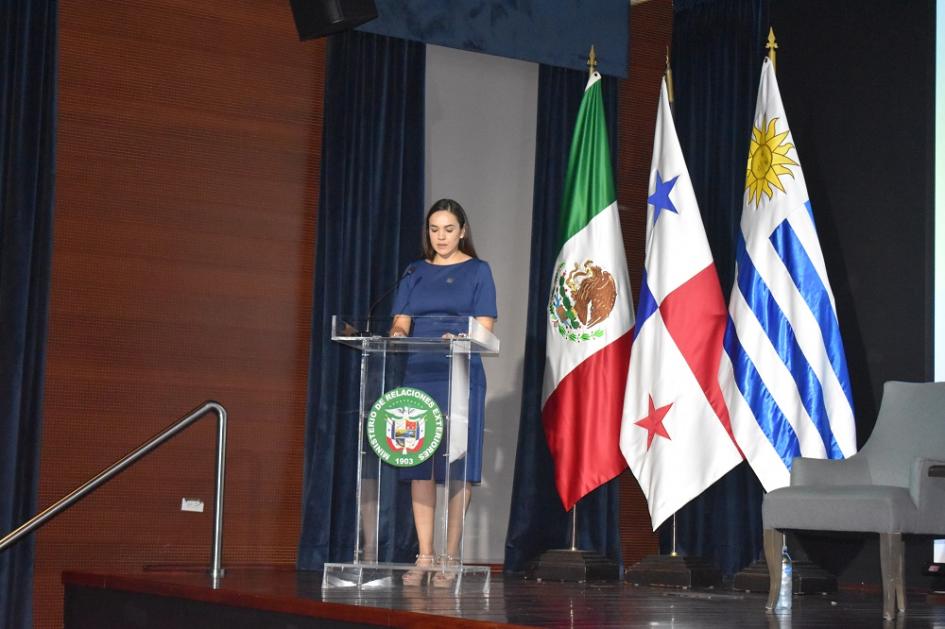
pixel 317 18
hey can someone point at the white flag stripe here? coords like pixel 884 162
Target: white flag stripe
pixel 843 432
pixel 808 335
pixel 775 375
pixel 597 237
pixel 769 468
pixel 807 327
pixel 804 228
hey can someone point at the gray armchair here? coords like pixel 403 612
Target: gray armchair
pixel 894 485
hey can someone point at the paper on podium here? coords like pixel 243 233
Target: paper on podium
pixel 459 401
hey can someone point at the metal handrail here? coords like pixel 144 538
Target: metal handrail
pixel 216 570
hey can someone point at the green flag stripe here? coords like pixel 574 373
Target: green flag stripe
pixel 589 183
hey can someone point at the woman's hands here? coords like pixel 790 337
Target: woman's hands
pixel 400 326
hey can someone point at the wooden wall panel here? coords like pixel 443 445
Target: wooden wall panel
pixel 187 168
pixel 188 157
pixel 651 27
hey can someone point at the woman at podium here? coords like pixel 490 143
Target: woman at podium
pixel 450 281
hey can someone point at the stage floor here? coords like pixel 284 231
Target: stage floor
pixel 512 601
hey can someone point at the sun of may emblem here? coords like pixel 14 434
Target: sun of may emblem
pixel 581 298
pixel 767 161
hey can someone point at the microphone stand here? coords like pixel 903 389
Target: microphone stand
pixel 370 315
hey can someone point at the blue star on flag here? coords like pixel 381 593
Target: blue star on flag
pixel 660 198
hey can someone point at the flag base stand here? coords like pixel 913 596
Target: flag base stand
pixel 674 571
pixel 578 566
pixel 808 578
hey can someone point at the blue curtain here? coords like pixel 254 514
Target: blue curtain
pixel 537 521
pixel 718 47
pixel 556 32
pixel 28 43
pixel 369 226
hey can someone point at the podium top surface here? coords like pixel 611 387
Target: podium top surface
pixel 461 335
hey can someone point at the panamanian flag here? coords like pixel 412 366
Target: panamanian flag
pixel 784 372
pixel 590 316
pixel 676 434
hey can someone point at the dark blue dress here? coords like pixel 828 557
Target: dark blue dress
pixel 465 289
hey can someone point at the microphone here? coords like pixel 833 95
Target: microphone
pixel 407 272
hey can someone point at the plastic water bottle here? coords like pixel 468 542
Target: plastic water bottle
pixel 787 585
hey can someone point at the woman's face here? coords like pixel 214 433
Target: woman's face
pixel 444 231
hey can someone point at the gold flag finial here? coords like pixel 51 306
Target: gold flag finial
pixel 592 61
pixel 772 46
pixel 669 78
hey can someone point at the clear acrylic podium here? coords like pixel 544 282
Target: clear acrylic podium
pixel 383 360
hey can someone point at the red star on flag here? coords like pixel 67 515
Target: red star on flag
pixel 653 422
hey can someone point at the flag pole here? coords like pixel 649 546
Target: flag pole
pixel 807 577
pixel 591 69
pixel 668 75
pixel 673 570
pixel 574 527
pixel 772 46
pixel 574 564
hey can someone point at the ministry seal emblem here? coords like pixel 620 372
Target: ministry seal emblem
pixel 582 297
pixel 405 427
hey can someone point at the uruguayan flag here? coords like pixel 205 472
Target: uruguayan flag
pixel 783 372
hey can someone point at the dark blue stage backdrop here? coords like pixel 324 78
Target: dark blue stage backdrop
pixel 717 54
pixel 857 80
pixel 27 164
pixel 553 32
pixel 857 83
pixel 369 226
pixel 859 91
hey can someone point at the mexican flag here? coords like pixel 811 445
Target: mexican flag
pixel 590 317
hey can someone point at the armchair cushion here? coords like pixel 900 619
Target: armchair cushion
pixel 862 508
pixel 814 472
